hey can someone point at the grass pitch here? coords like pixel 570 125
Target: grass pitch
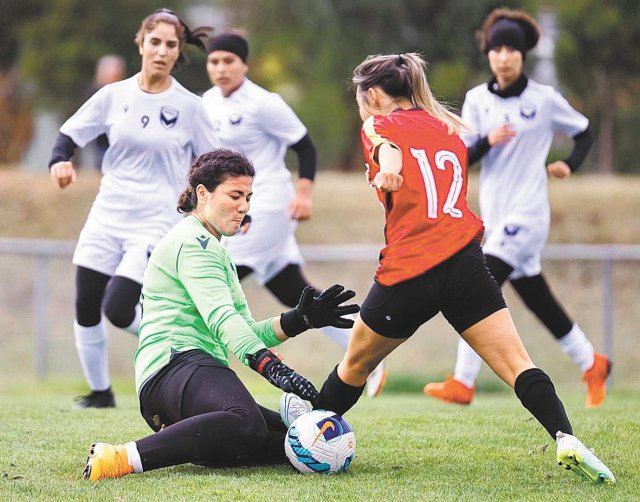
pixel 409 447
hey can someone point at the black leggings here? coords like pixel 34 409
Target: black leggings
pixel 95 291
pixel 203 414
pixel 286 286
pixel 536 295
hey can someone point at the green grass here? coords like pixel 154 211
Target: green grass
pixel 408 448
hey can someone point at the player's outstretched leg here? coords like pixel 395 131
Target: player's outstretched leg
pixel 292 406
pixel 377 378
pixel 575 456
pixel 107 461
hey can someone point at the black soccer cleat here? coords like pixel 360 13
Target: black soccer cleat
pixel 96 399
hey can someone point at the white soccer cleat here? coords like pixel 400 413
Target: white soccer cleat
pixel 291 407
pixel 376 380
pixel 575 456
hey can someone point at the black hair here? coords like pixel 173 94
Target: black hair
pixel 212 169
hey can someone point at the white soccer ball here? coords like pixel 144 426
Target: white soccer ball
pixel 320 441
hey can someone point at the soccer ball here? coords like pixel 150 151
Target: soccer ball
pixel 320 441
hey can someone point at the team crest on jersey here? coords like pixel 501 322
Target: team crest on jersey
pixel 235 119
pixel 168 116
pixel 528 111
pixel 511 230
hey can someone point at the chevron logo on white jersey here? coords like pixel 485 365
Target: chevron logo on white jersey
pixel 168 116
pixel 527 111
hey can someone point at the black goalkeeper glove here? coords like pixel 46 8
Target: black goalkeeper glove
pixel 269 365
pixel 316 310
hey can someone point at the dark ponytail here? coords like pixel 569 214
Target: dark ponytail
pixel 187 200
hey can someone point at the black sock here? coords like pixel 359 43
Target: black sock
pixel 338 396
pixel 537 394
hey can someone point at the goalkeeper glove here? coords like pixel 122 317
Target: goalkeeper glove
pixel 316 310
pixel 269 365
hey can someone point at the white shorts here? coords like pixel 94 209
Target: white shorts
pixel 268 247
pixel 519 245
pixel 122 255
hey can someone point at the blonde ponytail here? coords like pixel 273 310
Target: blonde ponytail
pixel 404 75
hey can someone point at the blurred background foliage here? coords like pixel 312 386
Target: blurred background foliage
pixel 598 56
pixel 307 49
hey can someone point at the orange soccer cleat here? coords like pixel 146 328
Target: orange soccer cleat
pixel 596 380
pixel 451 391
pixel 106 461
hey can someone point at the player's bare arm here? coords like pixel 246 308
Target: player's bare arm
pixel 389 178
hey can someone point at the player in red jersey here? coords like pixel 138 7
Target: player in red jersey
pixel 431 195
pixel 432 261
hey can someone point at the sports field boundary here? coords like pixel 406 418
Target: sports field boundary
pixel 43 250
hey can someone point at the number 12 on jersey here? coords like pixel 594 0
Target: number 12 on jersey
pixel 442 157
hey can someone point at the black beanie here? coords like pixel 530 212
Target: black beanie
pixel 506 32
pixel 230 42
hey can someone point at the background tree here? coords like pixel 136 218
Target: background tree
pixel 310 57
pixel 60 48
pixel 307 49
pixel 16 124
pixel 598 59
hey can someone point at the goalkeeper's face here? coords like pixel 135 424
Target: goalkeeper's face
pixel 225 207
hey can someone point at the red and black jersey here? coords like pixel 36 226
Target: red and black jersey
pixel 427 220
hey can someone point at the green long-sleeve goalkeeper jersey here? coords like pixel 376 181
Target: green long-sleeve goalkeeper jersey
pixel 192 299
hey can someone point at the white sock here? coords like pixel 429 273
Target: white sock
pixel 91 343
pixel 135 325
pixel 338 335
pixel 578 347
pixel 133 457
pixel 467 364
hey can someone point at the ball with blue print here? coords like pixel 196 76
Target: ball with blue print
pixel 320 442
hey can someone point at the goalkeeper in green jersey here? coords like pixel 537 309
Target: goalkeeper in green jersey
pixel 194 312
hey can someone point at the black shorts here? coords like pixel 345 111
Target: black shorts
pixel 221 425
pixel 161 396
pixel 462 288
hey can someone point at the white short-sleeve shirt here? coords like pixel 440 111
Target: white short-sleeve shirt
pixel 262 126
pixel 152 141
pixel 513 175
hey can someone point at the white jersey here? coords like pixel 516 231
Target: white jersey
pixel 513 175
pixel 262 126
pixel 152 141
